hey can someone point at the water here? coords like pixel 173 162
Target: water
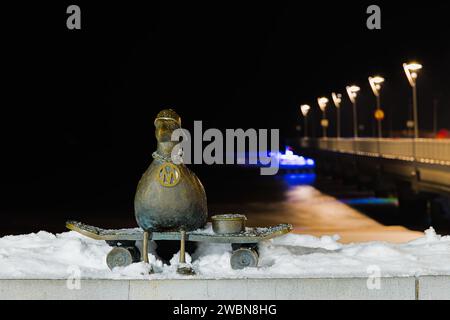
pixel 300 199
pixel 313 204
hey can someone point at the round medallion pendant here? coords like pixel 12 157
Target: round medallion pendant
pixel 169 175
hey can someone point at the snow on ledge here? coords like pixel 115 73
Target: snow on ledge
pixel 44 255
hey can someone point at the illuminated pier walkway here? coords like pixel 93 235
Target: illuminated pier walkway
pixel 430 151
pixel 424 162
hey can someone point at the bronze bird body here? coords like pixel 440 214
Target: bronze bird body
pixel 169 196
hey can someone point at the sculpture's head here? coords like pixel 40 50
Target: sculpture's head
pixel 166 122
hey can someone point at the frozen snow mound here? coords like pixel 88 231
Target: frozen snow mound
pixel 44 255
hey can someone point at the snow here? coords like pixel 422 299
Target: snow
pixel 44 255
pixel 207 229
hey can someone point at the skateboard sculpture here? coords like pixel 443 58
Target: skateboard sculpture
pixel 126 242
pixel 170 204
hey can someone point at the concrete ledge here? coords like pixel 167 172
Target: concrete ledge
pixel 230 289
pixel 59 290
pixel 434 288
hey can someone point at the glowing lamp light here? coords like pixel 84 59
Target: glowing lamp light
pixel 337 99
pixel 322 103
pixel 414 66
pixel 379 114
pixel 305 109
pixel 411 71
pixel 375 84
pixel 352 92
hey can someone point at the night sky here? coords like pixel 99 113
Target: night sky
pixel 78 105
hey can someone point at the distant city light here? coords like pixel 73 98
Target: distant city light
pixel 298 179
pixel 289 160
pixel 371 201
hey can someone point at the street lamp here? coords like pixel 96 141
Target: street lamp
pixel 323 102
pixel 375 84
pixel 337 99
pixel 304 108
pixel 352 92
pixel 411 71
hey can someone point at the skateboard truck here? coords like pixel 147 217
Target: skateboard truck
pixel 184 268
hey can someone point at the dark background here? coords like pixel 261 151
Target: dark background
pixel 78 105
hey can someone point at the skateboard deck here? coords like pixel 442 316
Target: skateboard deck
pixel 250 235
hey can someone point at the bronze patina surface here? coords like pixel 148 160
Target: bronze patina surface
pixel 244 244
pixel 169 196
pixel 228 223
pixel 251 235
pixel 170 204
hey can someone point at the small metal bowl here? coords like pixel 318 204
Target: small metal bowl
pixel 228 223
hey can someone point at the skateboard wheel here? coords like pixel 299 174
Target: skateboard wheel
pixel 244 258
pixel 119 257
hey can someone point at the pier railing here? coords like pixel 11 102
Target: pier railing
pixel 431 151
